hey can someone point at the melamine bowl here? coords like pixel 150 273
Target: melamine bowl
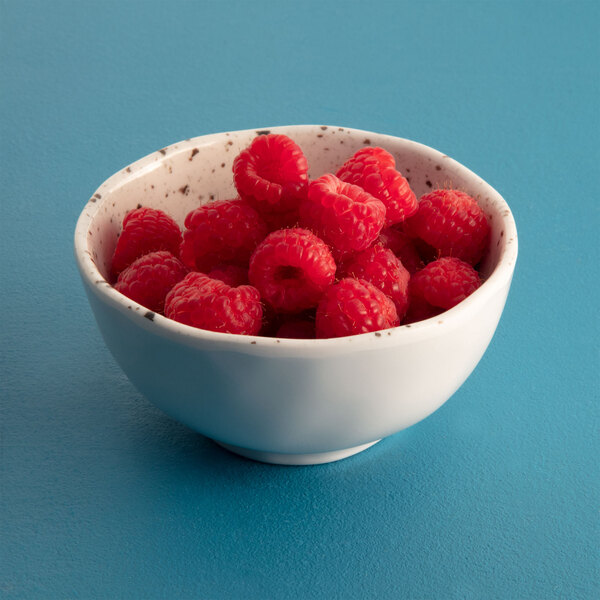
pixel 282 400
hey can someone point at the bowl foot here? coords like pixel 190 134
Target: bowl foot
pixel 295 459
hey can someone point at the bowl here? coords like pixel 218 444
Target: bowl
pixel 288 401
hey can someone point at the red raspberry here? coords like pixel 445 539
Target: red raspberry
pixel 453 223
pixel 444 282
pixel 149 279
pixel 342 214
pixel 379 266
pixel 210 304
pixel 145 230
pixel 374 170
pixel 298 329
pixel 232 275
pixel 354 306
pixel 403 247
pixel 223 231
pixel 292 268
pixel 272 174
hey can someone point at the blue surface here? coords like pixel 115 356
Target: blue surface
pixel 494 496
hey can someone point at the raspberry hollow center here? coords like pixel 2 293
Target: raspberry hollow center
pixel 287 272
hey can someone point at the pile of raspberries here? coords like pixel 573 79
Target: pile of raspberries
pixel 341 255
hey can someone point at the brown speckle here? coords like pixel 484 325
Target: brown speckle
pixel 92 199
pixel 408 179
pixel 151 187
pixel 212 196
pixel 149 315
pixel 323 127
pixel 253 342
pixel 185 189
pixel 502 233
pixel 222 165
pixel 139 205
pixel 340 129
pixel 212 171
pixel 263 132
pixel 341 141
pixel 326 149
pixel 367 141
pixel 200 197
pixel 319 135
pixel 445 156
pixel 128 169
pixel 428 183
pixel 377 334
pixel 129 307
pixel 407 325
pixel 440 322
pixel 438 167
pixel 194 152
pixel 98 196
pixel 163 151
pixel 170 169
pixel 389 333
pixel 407 170
pixel 230 143
pixel 167 195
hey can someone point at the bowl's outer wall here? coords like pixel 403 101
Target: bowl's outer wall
pixel 285 398
pixel 297 404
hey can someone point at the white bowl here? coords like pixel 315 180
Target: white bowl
pixel 282 400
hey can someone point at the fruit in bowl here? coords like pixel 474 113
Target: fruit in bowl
pixel 275 393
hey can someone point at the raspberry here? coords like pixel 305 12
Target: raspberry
pixel 299 329
pixel 379 266
pixel 223 231
pixel 145 230
pixel 272 174
pixel 342 214
pixel 453 223
pixel 403 247
pixel 354 306
pixel 210 304
pixel 232 275
pixel 292 268
pixel 374 170
pixel 149 279
pixel 444 282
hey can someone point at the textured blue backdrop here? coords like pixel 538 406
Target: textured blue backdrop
pixel 494 496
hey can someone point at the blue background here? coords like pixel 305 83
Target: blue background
pixel 494 496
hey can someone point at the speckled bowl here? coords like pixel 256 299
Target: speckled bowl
pixel 281 400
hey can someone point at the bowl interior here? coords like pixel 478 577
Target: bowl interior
pixel 190 173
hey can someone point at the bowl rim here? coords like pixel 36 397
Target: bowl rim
pixel 403 334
